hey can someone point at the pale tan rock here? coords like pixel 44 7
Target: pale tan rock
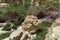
pixel 54 31
pixel 30 19
pixel 4 4
pixel 24 37
pixel 24 32
pixel 6 38
pixel 2 24
pixel 31 23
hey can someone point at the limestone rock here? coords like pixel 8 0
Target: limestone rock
pixel 31 24
pixel 16 35
pixel 54 31
pixel 24 32
pixel 3 4
pixel 2 24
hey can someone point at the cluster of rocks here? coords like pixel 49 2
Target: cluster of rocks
pixel 54 31
pixel 28 29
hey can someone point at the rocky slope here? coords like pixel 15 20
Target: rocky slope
pixel 28 29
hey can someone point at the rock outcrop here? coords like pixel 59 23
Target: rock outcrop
pixel 31 23
pixel 28 29
pixel 46 14
pixel 54 31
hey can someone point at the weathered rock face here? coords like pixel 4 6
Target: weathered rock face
pixel 31 23
pixel 54 31
pixel 28 29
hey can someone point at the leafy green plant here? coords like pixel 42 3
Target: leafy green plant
pixel 10 26
pixel 7 27
pixel 4 35
pixel 18 7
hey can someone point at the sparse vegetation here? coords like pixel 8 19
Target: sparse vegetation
pixel 42 33
pixel 4 35
pixel 7 27
pixel 21 10
pixel 18 7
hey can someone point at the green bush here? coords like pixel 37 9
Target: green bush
pixel 10 26
pixel 4 35
pixel 18 7
pixel 7 27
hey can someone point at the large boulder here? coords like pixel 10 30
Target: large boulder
pixel 31 24
pixel 54 31
pixel 28 29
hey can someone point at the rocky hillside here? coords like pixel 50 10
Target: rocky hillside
pixel 54 31
pixel 29 20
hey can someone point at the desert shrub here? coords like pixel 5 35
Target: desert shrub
pixel 46 4
pixel 4 35
pixel 41 34
pixel 10 26
pixel 7 27
pixel 18 7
